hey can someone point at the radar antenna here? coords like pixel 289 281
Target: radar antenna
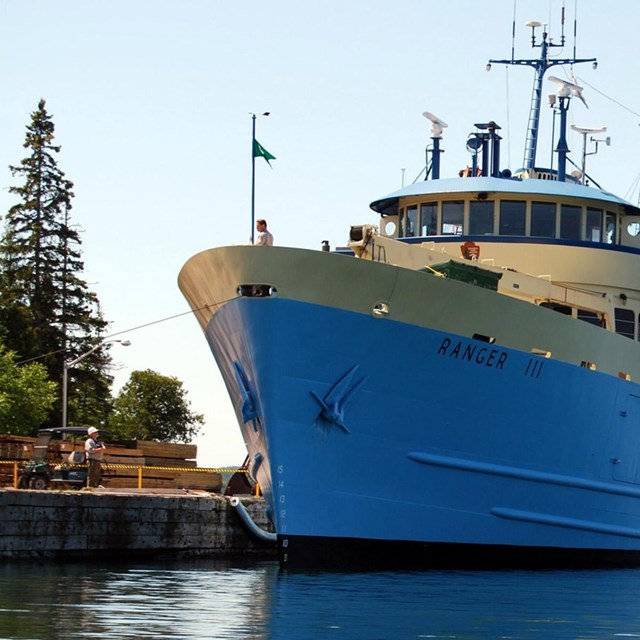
pixel 589 131
pixel 437 126
pixel 540 65
pixel 568 89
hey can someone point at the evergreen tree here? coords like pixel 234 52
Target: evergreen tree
pixel 46 309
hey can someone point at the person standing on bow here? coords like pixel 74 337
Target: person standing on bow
pixel 95 452
pixel 264 237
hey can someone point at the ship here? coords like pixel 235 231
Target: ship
pixel 459 385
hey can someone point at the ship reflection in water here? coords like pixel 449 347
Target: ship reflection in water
pixel 222 601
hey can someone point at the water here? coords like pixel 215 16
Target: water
pixel 225 601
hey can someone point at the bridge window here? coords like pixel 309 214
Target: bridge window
pixel 570 218
pixel 513 218
pixel 543 219
pixel 429 218
pixel 481 217
pixel 594 225
pixel 408 222
pixel 625 322
pixel 590 317
pixel 452 218
pixel 582 314
pixel 610 228
pixel 411 221
pixel 554 306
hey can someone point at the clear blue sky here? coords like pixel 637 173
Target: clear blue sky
pixel 151 103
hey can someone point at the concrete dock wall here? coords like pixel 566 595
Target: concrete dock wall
pixel 67 525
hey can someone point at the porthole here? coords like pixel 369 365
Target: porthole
pixel 633 229
pixel 390 228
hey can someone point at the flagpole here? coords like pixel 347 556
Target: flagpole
pixel 253 176
pixel 253 168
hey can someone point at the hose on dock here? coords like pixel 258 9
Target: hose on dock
pixel 248 522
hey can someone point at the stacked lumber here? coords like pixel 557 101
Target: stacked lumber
pixel 165 465
pixel 13 449
pixel 59 450
pixel 167 454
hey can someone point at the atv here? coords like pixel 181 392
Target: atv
pixel 39 473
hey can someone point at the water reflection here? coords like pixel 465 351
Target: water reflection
pixel 190 600
pixel 228 601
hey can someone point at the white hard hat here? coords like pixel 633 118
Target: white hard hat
pixel 92 430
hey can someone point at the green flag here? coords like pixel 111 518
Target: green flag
pixel 259 150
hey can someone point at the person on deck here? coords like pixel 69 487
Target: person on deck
pixel 95 452
pixel 264 237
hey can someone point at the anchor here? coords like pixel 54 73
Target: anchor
pixel 248 408
pixel 335 402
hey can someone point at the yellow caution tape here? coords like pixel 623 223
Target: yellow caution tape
pixel 113 465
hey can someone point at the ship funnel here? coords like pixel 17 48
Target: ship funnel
pixel 485 142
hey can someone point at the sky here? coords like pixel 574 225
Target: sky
pixel 152 102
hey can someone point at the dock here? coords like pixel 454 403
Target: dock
pixel 123 524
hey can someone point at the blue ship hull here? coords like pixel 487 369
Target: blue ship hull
pixel 385 443
pixel 457 385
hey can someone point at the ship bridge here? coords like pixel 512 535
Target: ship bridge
pixel 511 210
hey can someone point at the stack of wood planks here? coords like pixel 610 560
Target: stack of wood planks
pixel 163 465
pixel 167 466
pixel 13 448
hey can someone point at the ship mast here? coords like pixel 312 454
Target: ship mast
pixel 540 65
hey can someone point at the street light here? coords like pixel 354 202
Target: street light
pixel 72 363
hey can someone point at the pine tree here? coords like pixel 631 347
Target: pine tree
pixel 47 312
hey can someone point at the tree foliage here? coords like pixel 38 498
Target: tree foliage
pixel 47 311
pixel 26 395
pixel 151 406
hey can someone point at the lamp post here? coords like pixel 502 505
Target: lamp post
pixel 72 363
pixel 253 171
